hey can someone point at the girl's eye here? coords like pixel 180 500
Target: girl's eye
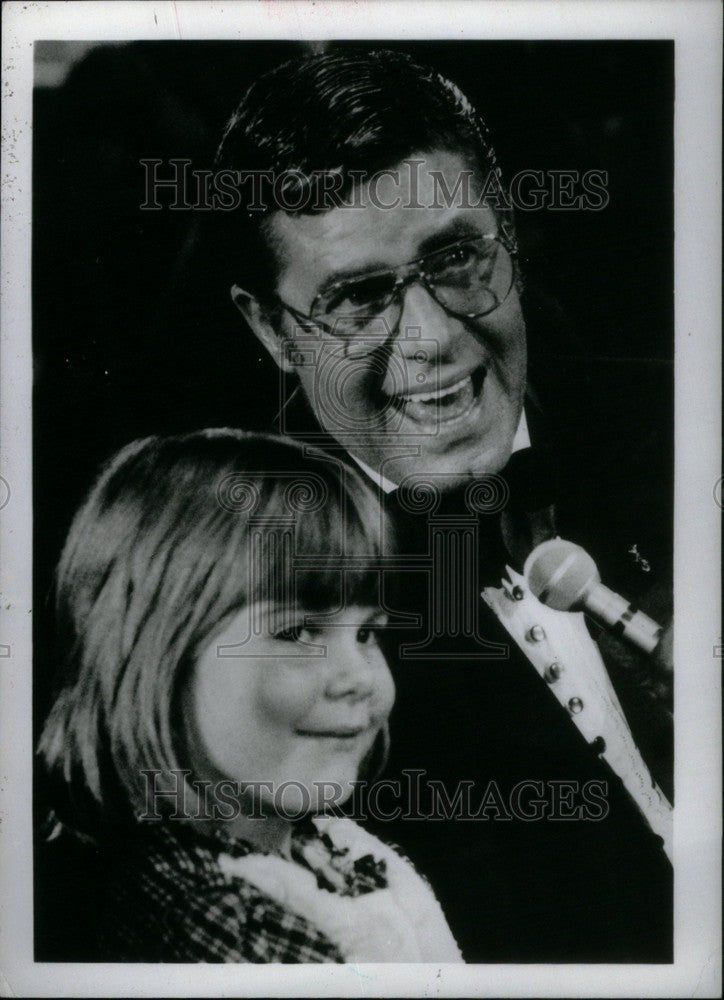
pixel 298 633
pixel 367 635
pixel 291 634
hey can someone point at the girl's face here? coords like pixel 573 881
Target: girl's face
pixel 295 706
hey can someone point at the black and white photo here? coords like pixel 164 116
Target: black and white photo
pixel 363 479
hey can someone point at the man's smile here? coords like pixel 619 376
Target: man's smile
pixel 449 404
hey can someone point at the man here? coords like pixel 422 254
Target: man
pixel 383 277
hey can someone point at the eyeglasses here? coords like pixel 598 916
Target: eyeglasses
pixel 469 279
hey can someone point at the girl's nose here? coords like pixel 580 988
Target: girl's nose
pixel 354 676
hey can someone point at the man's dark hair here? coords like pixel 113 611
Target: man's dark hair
pixel 348 113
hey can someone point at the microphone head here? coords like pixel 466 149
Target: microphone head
pixel 560 574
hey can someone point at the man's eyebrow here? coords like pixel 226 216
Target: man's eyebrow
pixel 456 229
pixel 357 271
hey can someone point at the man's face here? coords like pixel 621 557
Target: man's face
pixel 442 395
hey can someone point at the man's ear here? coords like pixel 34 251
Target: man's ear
pixel 258 319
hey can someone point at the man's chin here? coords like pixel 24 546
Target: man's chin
pixel 449 470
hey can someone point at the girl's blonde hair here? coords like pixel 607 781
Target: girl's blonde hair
pixel 176 535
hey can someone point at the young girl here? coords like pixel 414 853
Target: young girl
pixel 217 609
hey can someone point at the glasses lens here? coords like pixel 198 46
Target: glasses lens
pixel 349 306
pixel 471 278
pixel 375 333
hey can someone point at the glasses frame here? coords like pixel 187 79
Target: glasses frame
pixel 406 275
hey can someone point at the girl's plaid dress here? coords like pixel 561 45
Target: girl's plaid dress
pixel 168 900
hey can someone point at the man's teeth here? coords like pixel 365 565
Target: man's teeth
pixel 444 405
pixel 426 397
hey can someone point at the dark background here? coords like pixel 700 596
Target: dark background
pixel 135 334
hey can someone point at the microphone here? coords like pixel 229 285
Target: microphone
pixel 563 576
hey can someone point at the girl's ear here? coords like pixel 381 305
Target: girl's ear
pixel 258 319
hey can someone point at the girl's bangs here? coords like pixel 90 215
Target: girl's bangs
pixel 325 559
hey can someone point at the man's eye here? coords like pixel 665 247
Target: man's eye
pixel 456 257
pixel 368 294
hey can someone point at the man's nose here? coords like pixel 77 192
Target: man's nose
pixel 422 318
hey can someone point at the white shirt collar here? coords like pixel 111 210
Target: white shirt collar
pixel 520 441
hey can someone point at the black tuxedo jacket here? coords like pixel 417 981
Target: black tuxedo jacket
pixel 516 889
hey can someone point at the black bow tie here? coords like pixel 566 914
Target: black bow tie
pixel 512 513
